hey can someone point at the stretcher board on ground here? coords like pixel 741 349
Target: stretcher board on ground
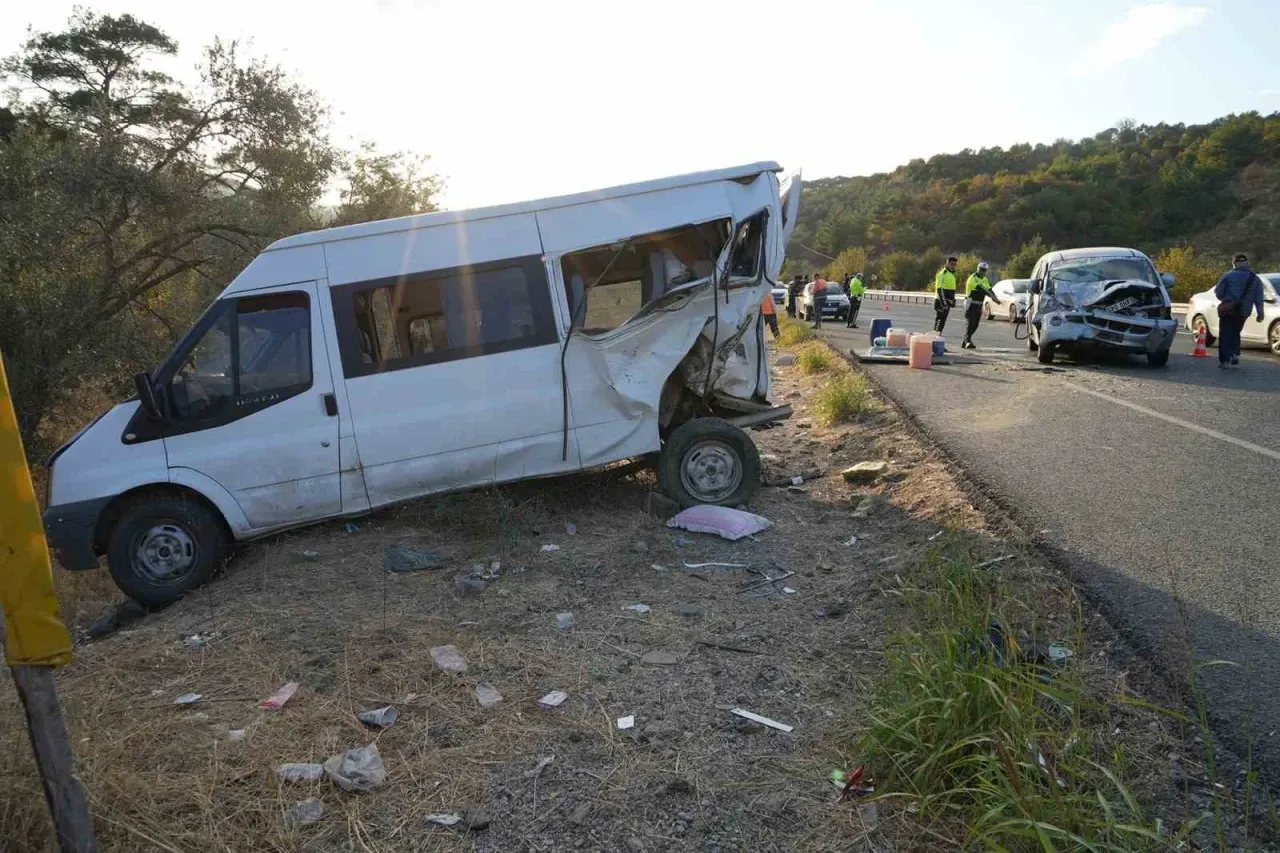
pixel 889 355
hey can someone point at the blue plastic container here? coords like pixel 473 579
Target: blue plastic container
pixel 939 347
pixel 880 327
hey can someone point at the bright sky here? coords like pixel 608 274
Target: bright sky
pixel 515 99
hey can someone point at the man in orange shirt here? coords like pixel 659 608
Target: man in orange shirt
pixel 767 311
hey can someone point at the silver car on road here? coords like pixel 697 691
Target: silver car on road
pixel 1014 295
pixel 1202 311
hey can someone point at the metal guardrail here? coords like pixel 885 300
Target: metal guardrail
pixel 917 297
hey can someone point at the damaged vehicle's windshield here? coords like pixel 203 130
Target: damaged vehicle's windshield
pixel 1087 270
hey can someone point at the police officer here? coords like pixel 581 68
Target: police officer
pixel 944 286
pixel 977 290
pixel 855 290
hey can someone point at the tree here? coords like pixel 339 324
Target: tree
pixel 1192 273
pixel 1022 262
pixel 120 191
pixel 384 186
pixel 850 261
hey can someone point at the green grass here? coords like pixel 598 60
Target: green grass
pixel 988 749
pixel 842 399
pixel 815 358
pixel 792 332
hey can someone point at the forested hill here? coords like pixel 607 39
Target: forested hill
pixel 1214 187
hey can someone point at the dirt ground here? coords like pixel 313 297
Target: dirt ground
pixel 318 608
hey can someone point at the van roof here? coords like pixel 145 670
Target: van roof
pixel 446 217
pixel 1096 252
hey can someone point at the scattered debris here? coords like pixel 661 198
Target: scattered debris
pixel 399 558
pixel 541 765
pixel 553 699
pixel 764 721
pixel 546 549
pixel 851 783
pixel 1059 652
pixel 188 699
pixel 788 590
pixel 565 621
pixel 449 659
pixel 380 717
pixel 723 521
pixel 715 565
pixel 310 556
pixel 199 641
pixel 936 535
pixel 301 772
pixel 277 700
pixel 638 608
pixel 468 584
pixel 627 721
pixel 851 541
pixel 350 527
pixel 660 659
pixel 767 580
pixel 444 819
pixel 992 562
pixel 797 481
pixel 236 735
pixel 487 695
pixel 571 529
pixel 307 811
pixel 357 770
pixel 865 472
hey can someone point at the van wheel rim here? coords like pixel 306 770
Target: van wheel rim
pixel 711 471
pixel 165 552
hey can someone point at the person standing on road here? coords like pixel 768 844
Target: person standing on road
pixel 769 315
pixel 793 295
pixel 977 291
pixel 819 299
pixel 855 290
pixel 1239 291
pixel 944 286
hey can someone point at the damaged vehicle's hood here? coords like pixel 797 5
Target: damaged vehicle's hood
pixel 1119 296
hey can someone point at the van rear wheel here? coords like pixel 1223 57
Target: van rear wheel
pixel 709 461
pixel 163 546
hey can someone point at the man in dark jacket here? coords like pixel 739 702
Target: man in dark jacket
pixel 1239 291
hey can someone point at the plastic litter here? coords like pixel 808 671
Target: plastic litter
pixel 626 722
pixel 357 770
pixel 449 659
pixel 199 641
pixel 301 772
pixel 549 548
pixel 350 527
pixel 788 590
pixel 852 540
pixel 307 811
pixel 638 608
pixel 797 481
pixel 187 699
pixel 487 695
pixel 851 783
pixel 398 558
pixel 1059 652
pixel 764 721
pixel 716 565
pixel 993 561
pixel 444 819
pixel 723 521
pixel 277 700
pixel 553 699
pixel 565 621
pixel 571 529
pixel 310 555
pixel 380 717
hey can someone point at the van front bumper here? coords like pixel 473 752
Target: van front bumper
pixel 1105 330
pixel 70 528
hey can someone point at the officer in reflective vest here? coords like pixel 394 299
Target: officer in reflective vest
pixel 856 289
pixel 944 286
pixel 977 290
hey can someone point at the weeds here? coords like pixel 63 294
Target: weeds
pixel 842 399
pixel 792 332
pixel 983 738
pixel 814 358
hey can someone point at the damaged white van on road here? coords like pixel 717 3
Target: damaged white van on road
pixel 355 367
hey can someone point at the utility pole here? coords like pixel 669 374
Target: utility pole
pixel 35 639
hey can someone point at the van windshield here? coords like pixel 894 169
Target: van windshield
pixel 1088 270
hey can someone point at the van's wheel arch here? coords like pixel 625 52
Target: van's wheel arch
pixel 709 461
pixel 162 543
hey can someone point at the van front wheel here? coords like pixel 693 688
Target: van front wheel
pixel 162 546
pixel 709 461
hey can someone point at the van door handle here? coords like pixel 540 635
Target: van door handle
pixel 330 405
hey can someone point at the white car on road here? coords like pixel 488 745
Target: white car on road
pixel 1202 310
pixel 1014 294
pixel 835 307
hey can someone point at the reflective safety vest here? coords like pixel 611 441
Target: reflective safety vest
pixel 978 282
pixel 766 304
pixel 944 280
pixel 856 288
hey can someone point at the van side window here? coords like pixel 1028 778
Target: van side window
pixel 606 285
pixel 443 315
pixel 256 351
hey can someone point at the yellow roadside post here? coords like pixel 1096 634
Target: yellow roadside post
pixel 35 638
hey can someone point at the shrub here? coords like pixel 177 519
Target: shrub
pixel 792 332
pixel 814 358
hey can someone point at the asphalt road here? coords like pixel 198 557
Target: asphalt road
pixel 1155 488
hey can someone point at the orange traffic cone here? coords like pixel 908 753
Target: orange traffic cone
pixel 1200 351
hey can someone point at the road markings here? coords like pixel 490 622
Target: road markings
pixel 1212 433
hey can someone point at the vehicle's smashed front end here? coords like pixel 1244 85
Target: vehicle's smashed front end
pixel 1126 316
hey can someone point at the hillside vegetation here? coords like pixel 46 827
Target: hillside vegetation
pixel 1207 189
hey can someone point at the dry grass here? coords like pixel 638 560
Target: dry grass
pixel 815 357
pixel 792 331
pixel 842 399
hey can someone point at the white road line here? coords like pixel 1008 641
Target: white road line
pixel 1212 433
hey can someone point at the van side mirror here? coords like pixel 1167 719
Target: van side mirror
pixel 1036 286
pixel 147 395
pixel 1167 278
